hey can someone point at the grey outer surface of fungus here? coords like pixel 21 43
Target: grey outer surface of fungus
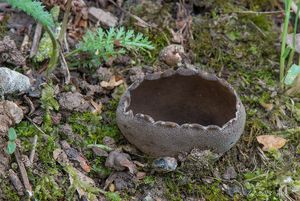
pixel 173 112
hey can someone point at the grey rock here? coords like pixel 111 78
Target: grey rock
pixel 230 173
pixel 73 102
pixel 9 53
pixel 11 110
pixel 136 73
pixel 164 164
pixel 172 55
pixel 103 74
pixel 106 18
pixel 12 81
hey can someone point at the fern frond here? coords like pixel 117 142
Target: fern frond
pixel 103 44
pixel 34 9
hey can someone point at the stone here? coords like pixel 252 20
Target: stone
pixel 9 53
pixel 11 81
pixel 172 55
pixel 73 102
pixel 106 18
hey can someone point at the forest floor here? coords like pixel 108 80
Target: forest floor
pixel 237 40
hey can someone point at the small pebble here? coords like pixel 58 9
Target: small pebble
pixel 165 164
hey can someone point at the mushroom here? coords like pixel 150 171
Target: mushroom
pixel 172 112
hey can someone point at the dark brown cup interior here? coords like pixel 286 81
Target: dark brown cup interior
pixel 185 99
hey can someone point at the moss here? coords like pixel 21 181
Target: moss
pixel 8 190
pixel 94 127
pixel 222 41
pixel 149 180
pixel 46 188
pixel 3 27
pixel 261 185
pixel 25 130
pixel 177 189
pixel 111 196
pixel 46 143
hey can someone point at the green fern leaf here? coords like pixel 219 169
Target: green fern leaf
pixel 101 44
pixel 34 9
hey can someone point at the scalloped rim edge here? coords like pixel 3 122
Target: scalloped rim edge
pixel 126 99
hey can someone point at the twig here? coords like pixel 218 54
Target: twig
pixel 36 39
pixel 25 41
pixel 64 65
pixel 23 172
pixel 258 13
pixel 32 153
pixel 32 108
pixel 131 15
pixel 35 125
pixel 67 49
pixel 261 31
pixel 65 22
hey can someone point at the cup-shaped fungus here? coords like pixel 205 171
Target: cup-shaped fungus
pixel 167 113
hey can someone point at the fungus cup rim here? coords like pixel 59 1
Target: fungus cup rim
pixel 126 99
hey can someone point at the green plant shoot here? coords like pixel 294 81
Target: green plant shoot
pixel 114 42
pixel 11 145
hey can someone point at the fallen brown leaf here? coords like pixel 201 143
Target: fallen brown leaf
pixel 98 107
pixel 140 175
pixel 112 83
pixel 271 142
pixel 120 161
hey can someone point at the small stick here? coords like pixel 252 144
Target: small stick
pixel 64 65
pixel 36 125
pixel 36 39
pixel 258 13
pixel 66 43
pixel 65 22
pixel 23 173
pixel 131 15
pixel 32 153
pixel 32 108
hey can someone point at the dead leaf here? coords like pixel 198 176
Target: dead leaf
pixel 97 106
pixel 99 152
pixel 84 185
pixel 140 175
pixel 112 83
pixel 73 154
pixel 271 142
pixel 112 188
pixel 87 184
pixel 267 106
pixel 120 161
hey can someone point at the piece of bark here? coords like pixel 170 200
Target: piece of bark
pixel 16 182
pixel 23 173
